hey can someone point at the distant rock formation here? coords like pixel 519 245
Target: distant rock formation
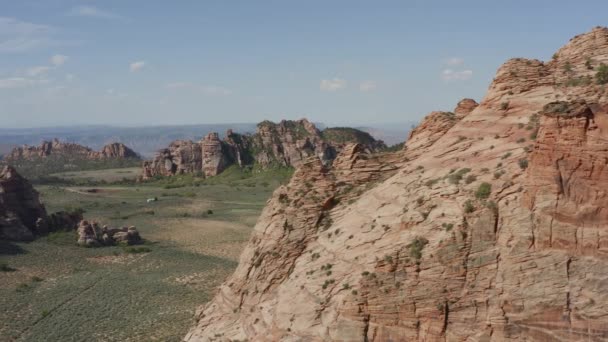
pixel 22 215
pixel 286 143
pixel 57 148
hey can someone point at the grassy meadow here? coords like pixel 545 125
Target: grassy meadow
pixel 53 290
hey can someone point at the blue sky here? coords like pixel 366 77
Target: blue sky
pixel 352 62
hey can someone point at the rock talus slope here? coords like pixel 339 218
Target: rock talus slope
pixel 490 225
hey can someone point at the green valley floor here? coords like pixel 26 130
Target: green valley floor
pixel 53 290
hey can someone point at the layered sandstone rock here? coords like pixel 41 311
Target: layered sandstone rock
pixel 287 143
pixel 117 151
pixel 21 214
pixel 215 158
pixel 70 150
pixel 437 124
pixel 489 226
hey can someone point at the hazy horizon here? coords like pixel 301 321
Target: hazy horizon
pixel 138 63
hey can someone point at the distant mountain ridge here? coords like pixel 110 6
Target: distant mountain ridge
pixel 147 140
pixel 144 140
pixel 71 150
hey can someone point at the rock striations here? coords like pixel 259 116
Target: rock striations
pixel 287 143
pixel 489 226
pixel 56 148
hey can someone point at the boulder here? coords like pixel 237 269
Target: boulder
pixel 90 235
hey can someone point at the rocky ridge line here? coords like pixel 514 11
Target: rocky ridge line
pixel 287 143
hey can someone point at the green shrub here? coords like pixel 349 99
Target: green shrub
pixel 523 163
pixel 484 190
pixel 470 179
pixel 504 105
pixel 417 246
pixel 601 75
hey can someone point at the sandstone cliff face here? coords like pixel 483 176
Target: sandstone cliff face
pixel 287 143
pixel 489 226
pixel 21 213
pixel 57 148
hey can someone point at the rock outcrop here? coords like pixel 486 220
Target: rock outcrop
pixel 287 143
pixel 56 148
pixel 21 214
pixel 91 235
pixel 489 226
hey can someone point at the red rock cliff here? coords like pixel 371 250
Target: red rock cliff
pixel 489 226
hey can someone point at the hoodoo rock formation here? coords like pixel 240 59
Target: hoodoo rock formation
pixel 56 148
pixel 490 225
pixel 287 143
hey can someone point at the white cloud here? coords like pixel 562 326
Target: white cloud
pixel 454 61
pixel 58 60
pixel 333 84
pixel 18 36
pixel 367 86
pixel 37 70
pixel 70 77
pixel 452 75
pixel 93 12
pixel 136 66
pixel 20 82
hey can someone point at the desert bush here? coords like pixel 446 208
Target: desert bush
pixel 523 163
pixel 483 191
pixel 416 246
pixel 601 75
